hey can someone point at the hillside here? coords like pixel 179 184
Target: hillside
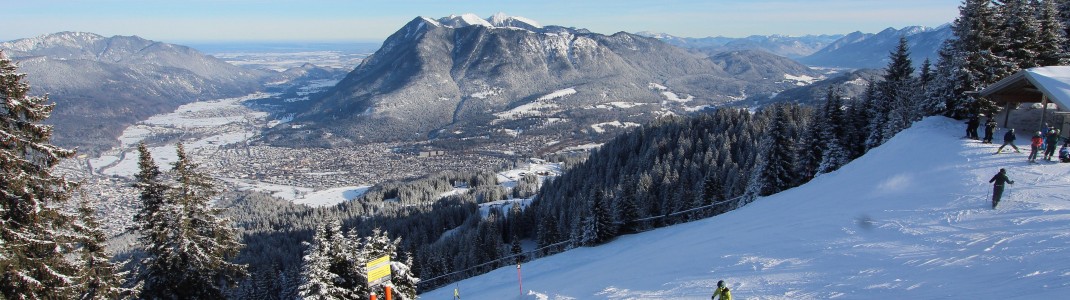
pixel 107 83
pixel 909 219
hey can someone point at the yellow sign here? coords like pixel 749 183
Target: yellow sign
pixel 378 269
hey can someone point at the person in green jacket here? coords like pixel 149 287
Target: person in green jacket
pixel 722 292
pixel 997 187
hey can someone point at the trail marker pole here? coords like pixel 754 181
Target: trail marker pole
pixel 520 279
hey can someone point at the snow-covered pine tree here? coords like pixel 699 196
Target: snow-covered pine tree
pixel 100 278
pixel 627 211
pixel 1063 7
pixel 977 34
pixel 348 260
pixel 858 119
pixel 598 227
pixel 319 282
pixel 896 92
pixel 812 145
pixel 157 221
pixel 189 242
pixel 34 235
pixel 213 242
pixel 402 281
pixel 775 169
pixel 836 153
pixel 1051 45
pixel 1018 44
pixel 946 92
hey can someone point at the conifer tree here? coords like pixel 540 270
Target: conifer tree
pixel 1052 43
pixel 1018 43
pixel 189 243
pixel 946 92
pixel 101 279
pixel 977 35
pixel 896 94
pixel 319 282
pixel 835 135
pixel 34 235
pixel 775 169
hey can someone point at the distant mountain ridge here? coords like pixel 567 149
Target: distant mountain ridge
pixel 463 76
pixel 787 46
pixel 870 50
pixel 103 84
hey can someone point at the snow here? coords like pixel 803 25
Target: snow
pixel 535 108
pixel 601 127
pixel 557 94
pixel 1054 81
pixel 802 80
pixel 332 196
pixel 910 219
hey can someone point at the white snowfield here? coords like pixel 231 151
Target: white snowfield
pixel 909 220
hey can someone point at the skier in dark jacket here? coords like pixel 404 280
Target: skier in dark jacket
pixel 990 129
pixel 1052 141
pixel 971 127
pixel 1008 139
pixel 997 188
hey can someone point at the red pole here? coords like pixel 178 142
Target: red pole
pixel 519 279
pixel 373 296
pixel 389 295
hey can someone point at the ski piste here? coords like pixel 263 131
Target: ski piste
pixel 911 218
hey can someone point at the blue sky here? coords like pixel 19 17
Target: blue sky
pixel 374 20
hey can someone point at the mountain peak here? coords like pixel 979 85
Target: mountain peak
pixel 498 20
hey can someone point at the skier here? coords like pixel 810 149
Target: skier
pixel 721 291
pixel 971 127
pixel 990 128
pixel 1051 141
pixel 1035 144
pixel 997 188
pixel 1008 139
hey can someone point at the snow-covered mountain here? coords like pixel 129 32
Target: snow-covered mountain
pixel 462 76
pixel 786 46
pixel 910 219
pixel 102 84
pixel 870 50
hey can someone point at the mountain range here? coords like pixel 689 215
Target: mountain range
pixel 786 46
pixel 464 76
pixel 101 84
pixel 856 50
pixel 871 50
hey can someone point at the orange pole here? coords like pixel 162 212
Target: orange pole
pixel 389 295
pixel 373 296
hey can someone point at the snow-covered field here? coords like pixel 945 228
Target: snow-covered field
pixel 911 219
pixel 218 122
pixel 211 117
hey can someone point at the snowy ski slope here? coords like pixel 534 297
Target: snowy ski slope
pixel 909 220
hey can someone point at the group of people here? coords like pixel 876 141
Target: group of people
pixel 974 123
pixel 1040 141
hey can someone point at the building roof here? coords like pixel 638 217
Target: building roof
pixel 1031 85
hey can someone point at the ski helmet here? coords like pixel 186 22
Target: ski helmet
pixel 720 283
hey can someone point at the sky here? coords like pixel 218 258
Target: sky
pixel 374 20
